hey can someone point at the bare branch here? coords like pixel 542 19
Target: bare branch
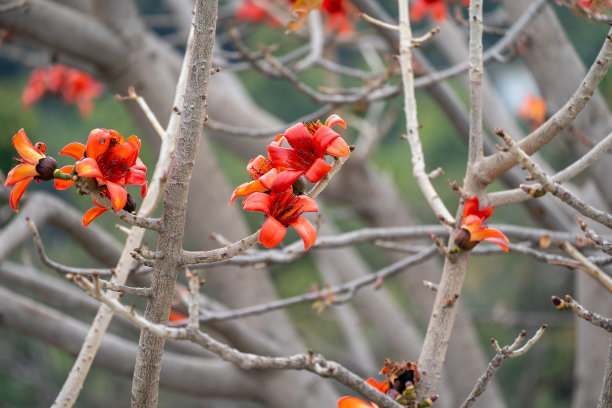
pixel 503 353
pixel 599 242
pixel 589 267
pixel 582 312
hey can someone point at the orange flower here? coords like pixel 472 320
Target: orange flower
pixel 263 174
pixel 352 402
pixel 533 110
pixel 283 209
pixel 94 212
pixel 35 165
pixel 309 144
pixel 252 11
pixel 472 230
pixel 176 316
pixel 76 87
pixel 111 160
pixel 438 9
pixel 335 9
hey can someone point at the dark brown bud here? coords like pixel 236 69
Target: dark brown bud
pixel 130 204
pixel 45 168
pixel 559 303
pixel 299 186
pixel 462 240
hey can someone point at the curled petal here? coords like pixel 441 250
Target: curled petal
pixel 97 142
pixel 25 149
pixel 307 204
pixel 259 166
pixel 92 213
pixel 491 234
pixel 323 137
pixel 306 231
pixel 280 156
pixel 118 195
pixel 272 232
pixel 471 207
pixel 246 189
pixel 17 192
pixel 136 177
pixel 76 150
pixel 88 167
pixel 334 120
pixel 267 179
pixel 316 172
pixel 64 184
pixel 298 136
pixel 285 179
pixel 352 402
pixel 257 202
pixel 20 172
pixel 338 148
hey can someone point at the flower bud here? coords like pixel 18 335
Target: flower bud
pixel 299 186
pixel 462 239
pixel 45 168
pixel 130 204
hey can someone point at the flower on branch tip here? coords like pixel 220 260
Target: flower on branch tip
pixel 111 160
pixel 35 165
pixel 75 86
pixel 283 210
pixel 438 9
pixel 309 144
pixel 262 173
pixel 472 231
pixel 335 9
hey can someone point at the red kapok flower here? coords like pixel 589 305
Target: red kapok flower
pixel 255 12
pixel 176 317
pixel 309 144
pixel 76 87
pixel 533 110
pixel 283 210
pixel 472 230
pixel 35 165
pixel 263 174
pixel 438 9
pixel 111 160
pixel 352 402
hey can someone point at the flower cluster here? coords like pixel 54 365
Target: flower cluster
pixel 109 160
pixel 401 379
pixel 75 87
pixel 277 183
pixel 472 231
pixel 257 11
pixel 438 9
pixel 533 110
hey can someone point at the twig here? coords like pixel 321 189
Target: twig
pixel 128 290
pixel 599 242
pixel 503 353
pixel 549 185
pixel 582 312
pixel 145 109
pixel 589 267
pixel 194 295
pixel 410 110
pixel 430 285
pixel 349 288
pixel 379 23
pixel 336 166
pixel 59 268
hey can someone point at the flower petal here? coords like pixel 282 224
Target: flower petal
pixel 323 137
pixel 490 234
pixel 136 177
pixel 98 142
pixel 299 137
pixel 272 232
pixel 317 171
pixel 338 148
pixel 92 213
pixel 257 202
pixel 352 402
pixel 64 184
pixel 76 150
pixel 258 166
pixel 17 192
pixel 306 231
pixel 247 188
pixel 88 167
pixel 307 204
pixel 20 172
pixel 267 179
pixel 25 149
pixel 118 195
pixel 334 120
pixel 285 179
